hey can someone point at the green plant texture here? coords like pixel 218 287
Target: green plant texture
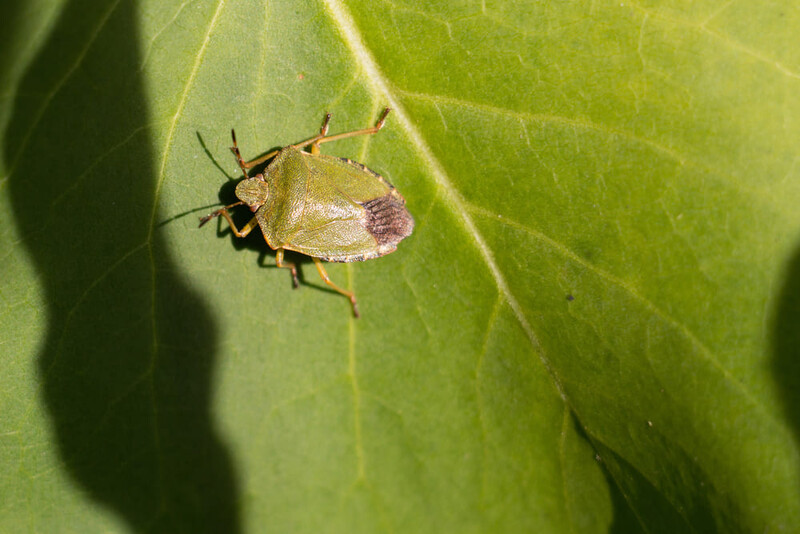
pixel 595 326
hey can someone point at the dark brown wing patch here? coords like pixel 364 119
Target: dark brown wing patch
pixel 388 220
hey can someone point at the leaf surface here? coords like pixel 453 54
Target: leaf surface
pixel 592 328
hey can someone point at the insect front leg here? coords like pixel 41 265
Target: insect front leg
pixel 287 265
pixel 349 294
pixel 323 138
pixel 246 229
pixel 246 165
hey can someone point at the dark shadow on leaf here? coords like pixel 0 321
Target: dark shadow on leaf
pixel 641 507
pixel 127 365
pixel 9 15
pixel 624 519
pixel 254 241
pixel 786 344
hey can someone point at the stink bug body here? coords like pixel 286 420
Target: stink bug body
pixel 332 209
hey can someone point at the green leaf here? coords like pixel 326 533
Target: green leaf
pixel 592 329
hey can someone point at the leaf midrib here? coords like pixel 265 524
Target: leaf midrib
pixel 367 63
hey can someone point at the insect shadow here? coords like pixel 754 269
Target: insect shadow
pixel 331 209
pixel 255 240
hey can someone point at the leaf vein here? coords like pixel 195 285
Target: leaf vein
pixel 702 349
pixel 490 324
pixel 160 178
pixel 683 160
pixel 156 35
pixel 724 39
pixel 351 373
pixel 581 123
pixel 563 461
pixel 56 88
pixel 382 86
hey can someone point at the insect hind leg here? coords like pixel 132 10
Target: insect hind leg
pixel 287 265
pixel 349 294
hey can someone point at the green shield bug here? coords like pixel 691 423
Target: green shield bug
pixel 329 208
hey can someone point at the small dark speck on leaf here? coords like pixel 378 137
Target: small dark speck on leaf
pixel 570 298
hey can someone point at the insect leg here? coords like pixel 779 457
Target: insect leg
pixel 366 131
pixel 319 139
pixel 246 229
pixel 315 141
pixel 324 130
pixel 349 294
pixel 322 133
pixel 287 265
pixel 245 165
